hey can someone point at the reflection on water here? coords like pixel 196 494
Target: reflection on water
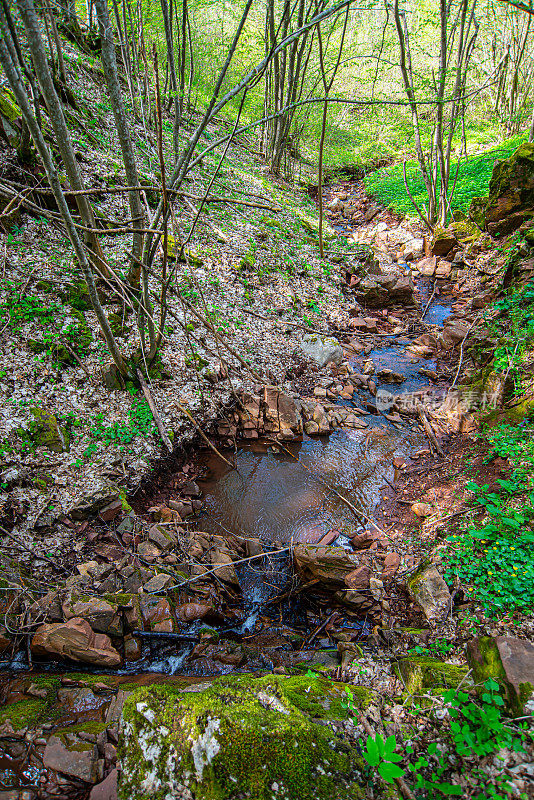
pixel 275 498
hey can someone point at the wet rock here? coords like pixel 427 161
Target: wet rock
pixel 510 661
pixel 157 614
pixel 211 737
pixel 101 615
pixel 190 612
pixel 428 589
pixel 388 376
pixel 79 760
pixel 76 640
pixel 361 541
pixel 133 648
pixel 254 547
pixel 384 290
pixel 281 413
pixel 226 570
pixel 322 349
pixel 329 564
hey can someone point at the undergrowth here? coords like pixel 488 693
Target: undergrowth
pixel 387 184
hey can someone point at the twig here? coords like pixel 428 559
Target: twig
pixel 462 353
pixel 222 566
pixel 199 429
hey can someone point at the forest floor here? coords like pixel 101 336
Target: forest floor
pixel 254 271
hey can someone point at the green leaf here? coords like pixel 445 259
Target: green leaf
pixel 390 771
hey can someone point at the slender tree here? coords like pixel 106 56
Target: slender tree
pixel 109 64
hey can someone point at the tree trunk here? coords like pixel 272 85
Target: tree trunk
pixel 109 64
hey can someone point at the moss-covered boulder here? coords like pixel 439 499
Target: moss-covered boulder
pixel 76 295
pixel 421 672
pixel 510 195
pixel 510 661
pixel 240 737
pixel 45 431
pixel 174 251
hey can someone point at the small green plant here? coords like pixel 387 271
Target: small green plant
pixel 380 753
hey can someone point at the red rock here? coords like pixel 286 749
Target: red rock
pixel 391 565
pixel 107 790
pixel 190 612
pixel 76 640
pixel 361 541
pixel 359 579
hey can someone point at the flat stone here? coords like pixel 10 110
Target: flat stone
pixel 76 640
pixel 158 583
pixel 81 763
pixel 359 579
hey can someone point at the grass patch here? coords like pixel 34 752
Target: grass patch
pixel 387 183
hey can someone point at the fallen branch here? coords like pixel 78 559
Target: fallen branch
pixel 154 410
pixel 428 430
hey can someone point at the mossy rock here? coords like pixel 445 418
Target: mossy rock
pixel 511 188
pixel 8 105
pixel 508 661
pixel 174 251
pixel 27 713
pixel 421 672
pixel 76 295
pixel 311 226
pixel 240 737
pixel 46 432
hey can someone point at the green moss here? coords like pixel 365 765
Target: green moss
pixel 420 673
pixel 485 661
pixel 8 105
pixel 246 736
pixel 90 726
pixel 45 432
pixel 24 713
pixel 76 295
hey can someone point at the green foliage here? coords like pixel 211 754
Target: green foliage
pixel 387 184
pixel 494 560
pixel 140 423
pixel 475 732
pixel 380 753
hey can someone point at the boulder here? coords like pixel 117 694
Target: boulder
pixel 359 578
pixel 322 349
pixel 426 266
pixel 107 790
pixel 510 661
pixel 281 413
pixel 92 503
pixel 443 241
pixel 511 190
pixel 330 565
pixel 45 431
pixel 428 589
pixel 97 612
pixel 76 640
pixel 238 737
pixel 79 760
